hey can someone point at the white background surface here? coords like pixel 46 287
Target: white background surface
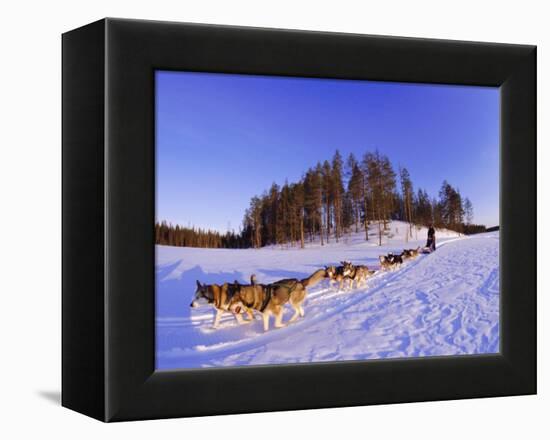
pixel 30 185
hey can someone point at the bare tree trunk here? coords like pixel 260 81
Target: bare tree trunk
pixel 385 213
pixel 302 231
pixel 410 214
pixel 411 225
pixel 337 221
pixel 328 222
pixel 357 217
pixel 366 219
pixel 379 232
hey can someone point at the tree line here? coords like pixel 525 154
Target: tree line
pixel 336 197
pixel 332 199
pixel 175 235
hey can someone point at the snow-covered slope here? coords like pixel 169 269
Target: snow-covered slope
pixel 439 304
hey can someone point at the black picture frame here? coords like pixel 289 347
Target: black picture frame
pixel 108 196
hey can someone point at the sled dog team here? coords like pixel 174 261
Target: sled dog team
pixel 269 299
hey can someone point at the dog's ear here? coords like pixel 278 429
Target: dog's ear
pixel 198 284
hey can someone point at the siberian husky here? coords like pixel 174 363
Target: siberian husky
pixel 218 297
pixel 269 299
pixel 338 274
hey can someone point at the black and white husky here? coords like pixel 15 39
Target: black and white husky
pixel 390 261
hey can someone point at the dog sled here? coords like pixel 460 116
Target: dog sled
pixel 430 246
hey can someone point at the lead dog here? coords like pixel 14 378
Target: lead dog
pixel 269 299
pixel 218 297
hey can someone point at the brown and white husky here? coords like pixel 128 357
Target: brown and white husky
pixel 357 274
pixel 338 274
pixel 219 297
pixel 269 299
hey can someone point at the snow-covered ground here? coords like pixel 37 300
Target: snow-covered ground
pixel 439 304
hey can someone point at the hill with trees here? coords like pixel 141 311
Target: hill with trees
pixel 331 199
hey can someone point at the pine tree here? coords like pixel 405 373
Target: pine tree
pixel 272 213
pixel 283 215
pixel 299 201
pixel 381 183
pixel 327 196
pixel 468 211
pixel 407 191
pixel 356 191
pixel 424 211
pixel 337 193
pixel 387 189
pixel 255 213
pixel 450 201
pixel 372 195
pixel 318 194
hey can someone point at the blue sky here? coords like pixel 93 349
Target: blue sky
pixel 223 138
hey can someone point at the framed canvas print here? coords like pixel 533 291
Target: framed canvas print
pixel 260 219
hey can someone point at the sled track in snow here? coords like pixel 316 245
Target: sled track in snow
pixel 314 297
pixel 434 305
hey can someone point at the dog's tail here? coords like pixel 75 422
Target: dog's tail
pixel 314 278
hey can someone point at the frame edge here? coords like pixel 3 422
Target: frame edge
pixel 83 373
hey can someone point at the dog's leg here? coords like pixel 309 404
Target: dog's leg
pixel 279 318
pixel 265 317
pixel 219 314
pixel 248 313
pixel 302 313
pixel 296 312
pixel 239 318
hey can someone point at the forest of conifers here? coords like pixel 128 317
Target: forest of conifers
pixel 330 200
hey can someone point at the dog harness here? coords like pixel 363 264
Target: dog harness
pixel 269 292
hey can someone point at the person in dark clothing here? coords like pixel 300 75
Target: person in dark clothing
pixel 431 238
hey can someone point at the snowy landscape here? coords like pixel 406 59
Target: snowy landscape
pixel 443 303
pixel 278 177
